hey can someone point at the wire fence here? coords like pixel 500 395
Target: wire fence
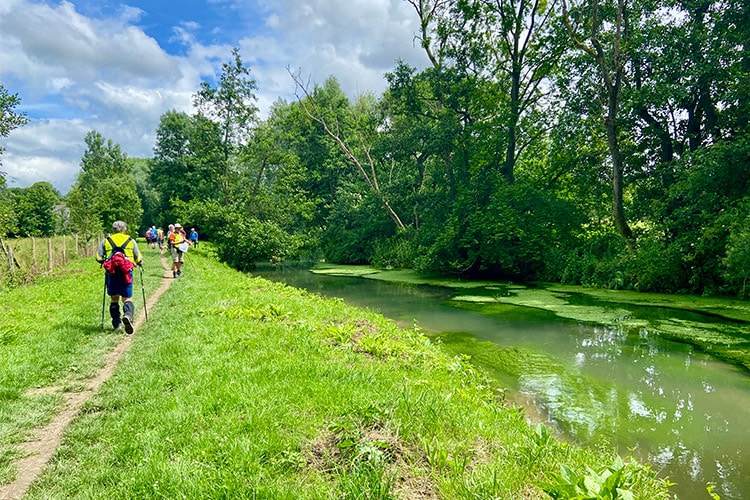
pixel 22 259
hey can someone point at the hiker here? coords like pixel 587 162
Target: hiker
pixel 160 237
pixel 193 237
pixel 119 276
pixel 154 236
pixel 170 230
pixel 178 246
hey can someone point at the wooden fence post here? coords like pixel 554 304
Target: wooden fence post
pixel 65 251
pixel 34 267
pixel 10 260
pixel 49 254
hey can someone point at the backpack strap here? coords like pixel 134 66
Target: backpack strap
pixel 115 248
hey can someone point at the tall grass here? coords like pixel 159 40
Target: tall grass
pixel 242 388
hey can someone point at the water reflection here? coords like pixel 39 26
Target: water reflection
pixel 680 410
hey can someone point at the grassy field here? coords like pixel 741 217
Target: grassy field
pixel 242 388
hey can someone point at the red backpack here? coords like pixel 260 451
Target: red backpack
pixel 118 263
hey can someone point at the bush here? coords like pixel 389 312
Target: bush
pixel 245 241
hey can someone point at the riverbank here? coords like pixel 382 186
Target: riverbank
pixel 718 326
pixel 239 387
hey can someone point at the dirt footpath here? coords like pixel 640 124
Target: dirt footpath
pixel 38 452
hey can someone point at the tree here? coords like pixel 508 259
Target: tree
pixel 604 41
pixel 186 153
pixel 230 105
pixel 7 213
pixel 509 44
pixel 354 134
pixel 9 119
pixel 34 207
pixel 141 171
pixel 104 190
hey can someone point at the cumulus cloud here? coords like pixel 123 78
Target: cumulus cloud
pixel 76 72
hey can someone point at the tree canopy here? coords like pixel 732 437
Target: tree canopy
pixel 597 142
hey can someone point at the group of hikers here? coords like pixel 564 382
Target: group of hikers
pixel 119 255
pixel 155 237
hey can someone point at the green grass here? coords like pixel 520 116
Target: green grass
pixel 243 388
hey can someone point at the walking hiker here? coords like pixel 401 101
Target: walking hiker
pixel 178 246
pixel 154 236
pixel 194 237
pixel 170 230
pixel 118 253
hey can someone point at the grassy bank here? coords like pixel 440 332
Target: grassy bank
pixel 242 388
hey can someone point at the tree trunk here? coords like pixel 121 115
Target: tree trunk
pixel 618 211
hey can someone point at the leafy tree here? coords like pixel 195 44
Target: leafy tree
pixel 9 118
pixel 599 31
pixel 141 172
pixel 508 44
pixel 186 149
pixel 33 207
pixel 104 190
pixel 273 183
pixel 7 213
pixel 231 106
pixel 354 132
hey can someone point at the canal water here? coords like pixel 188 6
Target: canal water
pixel 682 411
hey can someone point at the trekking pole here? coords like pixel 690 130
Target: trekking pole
pixel 190 260
pixel 143 291
pixel 104 298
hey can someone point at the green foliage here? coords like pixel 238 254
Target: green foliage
pixel 33 208
pixel 243 242
pixel 104 191
pixel 9 118
pixel 7 213
pixel 141 172
pixel 737 260
pixel 353 226
pixel 613 482
pixel 186 153
pixel 621 480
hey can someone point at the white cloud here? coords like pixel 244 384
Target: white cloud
pixel 81 73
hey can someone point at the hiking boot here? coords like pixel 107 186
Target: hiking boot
pixel 179 273
pixel 128 325
pixel 174 274
pixel 128 308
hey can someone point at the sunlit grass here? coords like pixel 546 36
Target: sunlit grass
pixel 51 340
pixel 242 388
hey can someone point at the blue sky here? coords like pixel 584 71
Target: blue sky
pixel 117 66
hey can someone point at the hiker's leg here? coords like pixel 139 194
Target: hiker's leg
pixel 114 311
pixel 128 307
pixel 175 259
pixel 128 311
